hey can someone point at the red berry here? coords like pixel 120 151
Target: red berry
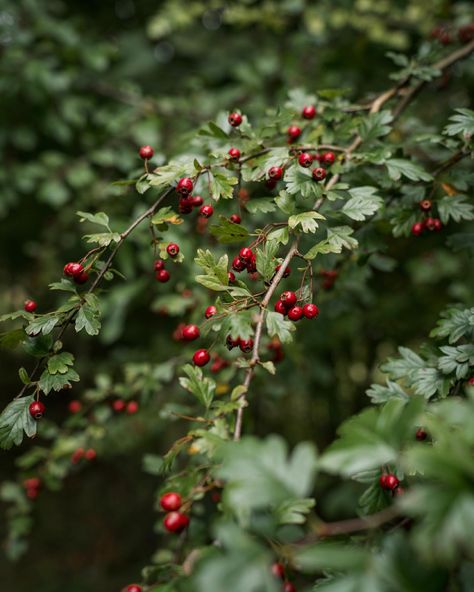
pixel 319 174
pixel 238 264
pixel 288 587
pixel 32 493
pixel 437 225
pixel 286 273
pixel 146 152
pixel 32 483
pixel 421 434
pixel 170 502
pixel 132 407
pixel 275 173
pixel 425 205
pixel 245 253
pixel 417 228
pixel 278 570
pixel 159 264
pixel 172 249
pixel 430 223
pixel 235 219
pixel 196 201
pixel 470 382
pixel 73 269
pixel 309 112
pixel 206 211
pixel 201 357
pixel 310 311
pixel 305 160
pixel 90 454
pixel 185 205
pixel 119 405
pixel 175 521
pixel 288 298
pixel 74 406
pixel 231 277
pixel 231 342
pixel 389 482
pixel 30 305
pixel 184 186
pixel 234 153
pixel 36 409
pixel 162 276
pixel 293 132
pixel 271 183
pixel 77 455
pixel 134 588
pixel 190 332
pixel 252 264
pixel 235 119
pixel 210 311
pixel 81 278
pixel 280 307
pixel 328 158
pixel 295 313
pixel 466 33
pixel 246 345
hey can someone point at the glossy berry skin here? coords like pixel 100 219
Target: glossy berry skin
pixel 425 205
pixel 230 342
pixel 170 502
pixel 421 434
pixel 305 160
pixel 327 158
pixel 288 587
pixel 417 228
pixel 280 307
pixel 175 522
pixel 231 277
pixel 172 249
pixel 159 264
pixel 134 588
pixel 288 298
pixel 36 409
pixel 190 332
pixel 275 173
pixel 210 311
pixel 146 152
pixel 252 264
pixel 245 254
pixel 310 311
pixel 295 313
pixel 73 269
pixel 309 112
pixel 201 357
pixel 294 132
pixel 119 405
pixel 235 119
pixel 184 186
pixel 246 345
pixel 206 211
pixel 389 482
pixel 319 174
pixel 278 570
pixel 234 154
pixel 185 205
pixel 74 407
pixel 196 201
pixel 235 219
pixel 81 278
pixel 30 306
pixel 238 264
pixel 162 276
pixel 286 273
pixel 132 407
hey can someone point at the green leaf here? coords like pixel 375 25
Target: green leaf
pixel 398 166
pixel 42 324
pixel 15 421
pixel 221 185
pixel 266 259
pixel 381 394
pixel 307 221
pixel 88 317
pixel 277 326
pixel 326 555
pixel 24 377
pixel 103 239
pixel 300 181
pixel 454 207
pixel 363 203
pixel 227 232
pixel 216 270
pixel 294 511
pixel 339 237
pixel 263 205
pixel 463 123
pixel 56 382
pixel 456 359
pixel 166 216
pixel 60 363
pixel 375 125
pixel 455 324
pixel 201 387
pixel 100 218
pixel 269 366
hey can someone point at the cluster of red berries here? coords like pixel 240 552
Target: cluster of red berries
pixel 37 409
pixel 188 202
pixel 278 570
pixel 174 521
pixel 77 272
pixel 30 306
pixel 445 35
pixel 90 454
pixel 287 306
pixel 32 487
pixel 161 274
pixel 428 224
pixel 245 345
pixel 119 406
pixel 330 276
pixel 246 259
pixel 389 481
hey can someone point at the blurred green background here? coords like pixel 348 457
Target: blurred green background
pixel 82 85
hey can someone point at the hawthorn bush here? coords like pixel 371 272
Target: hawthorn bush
pixel 247 282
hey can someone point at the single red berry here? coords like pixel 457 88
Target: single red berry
pixel 421 434
pixel 271 183
pixel 430 223
pixel 132 407
pixel 425 205
pixel 184 186
pixel 159 264
pixel 73 269
pixel 119 405
pixel 201 357
pixel 305 160
pixel 245 253
pixel 231 342
pixel 81 278
pixel 328 158
pixel 316 156
pixel 466 33
pixel 172 249
pixel 185 205
pixel 309 112
pixel 280 307
pixel 295 313
pixel 310 311
pixel 238 264
pixel 191 332
pixel 286 273
pixel 235 119
pixel 77 455
pixel 389 482
pixel 210 311
pixel 36 409
pixel 146 152
pixel 90 454
pixel 170 502
pixel 275 173
pixel 206 211
pixel 175 521
pixel 134 588
pixel 319 174
pixel 234 153
pixel 32 483
pixel 231 277
pixel 235 219
pixel 278 570
pixel 294 132
pixel 32 493
pixel 162 276
pixel 417 228
pixel 288 587
pixel 246 345
pixel 288 298
pixel 437 225
pixel 252 264
pixel 30 306
pixel 196 201
pixel 470 382
pixel 74 406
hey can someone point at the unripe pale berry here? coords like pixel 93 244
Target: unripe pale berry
pixel 162 276
pixel 275 173
pixel 206 211
pixel 190 332
pixel 234 153
pixel 305 160
pixel 280 307
pixel 146 152
pixel 30 306
pixel 417 228
pixel 310 311
pixel 175 522
pixel 319 174
pixel 132 407
pixel 295 313
pixel 288 298
pixel 184 186
pixel 170 502
pixel 309 112
pixel 36 409
pixel 235 119
pixel 294 132
pixel 235 219
pixel 172 249
pixel 210 311
pixel 425 205
pixel 201 357
pixel 74 406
